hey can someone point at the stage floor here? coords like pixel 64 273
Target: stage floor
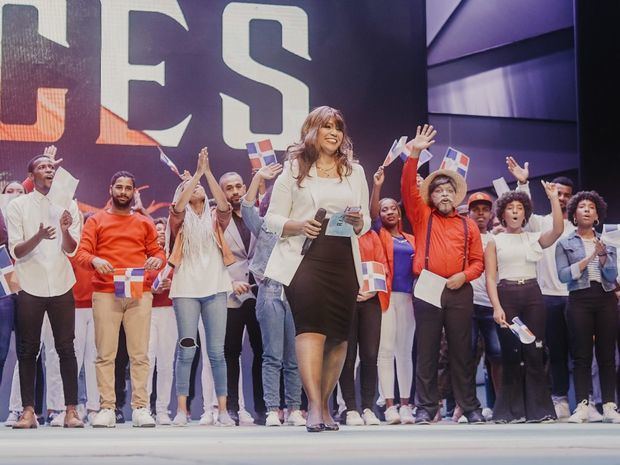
pixel 437 444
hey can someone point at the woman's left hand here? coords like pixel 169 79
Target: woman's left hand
pixel 356 220
pixel 550 189
pixel 364 297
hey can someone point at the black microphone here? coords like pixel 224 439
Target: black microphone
pixel 320 216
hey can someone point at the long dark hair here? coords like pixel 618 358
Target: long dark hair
pixel 306 151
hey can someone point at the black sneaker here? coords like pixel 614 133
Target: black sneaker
pixel 422 417
pixel 120 416
pixel 474 417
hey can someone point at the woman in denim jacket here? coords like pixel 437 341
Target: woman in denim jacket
pixel 590 270
pixel 273 313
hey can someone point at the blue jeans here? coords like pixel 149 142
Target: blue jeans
pixel 7 316
pixel 278 333
pixel 484 324
pixel 214 313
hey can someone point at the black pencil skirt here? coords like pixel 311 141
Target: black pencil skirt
pixel 323 292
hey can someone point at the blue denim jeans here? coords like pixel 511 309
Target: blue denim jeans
pixel 7 316
pixel 214 313
pixel 484 324
pixel 278 332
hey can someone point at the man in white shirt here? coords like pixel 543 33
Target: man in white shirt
pixel 41 237
pixel 241 305
pixel 554 292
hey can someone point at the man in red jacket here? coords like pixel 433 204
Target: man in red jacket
pixel 447 245
pixel 119 238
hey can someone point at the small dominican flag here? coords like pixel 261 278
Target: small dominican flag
pixel 162 275
pixel 455 161
pixel 8 280
pixel 167 161
pixel 399 149
pixel 261 153
pixel 425 157
pixel 128 282
pixel 374 277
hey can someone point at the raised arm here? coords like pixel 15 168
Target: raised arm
pixel 248 210
pixel 189 187
pixel 377 183
pixel 548 238
pixel 490 267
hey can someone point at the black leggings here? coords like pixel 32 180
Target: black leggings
pixel 592 314
pixel 365 332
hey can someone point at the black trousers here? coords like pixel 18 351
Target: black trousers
pixel 526 391
pixel 557 339
pixel 121 364
pixel 455 316
pixel 592 315
pixel 238 319
pixel 29 319
pixel 365 334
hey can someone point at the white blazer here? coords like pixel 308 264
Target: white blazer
pixel 240 269
pixel 292 202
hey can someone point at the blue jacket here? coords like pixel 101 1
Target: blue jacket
pixel 265 240
pixel 570 251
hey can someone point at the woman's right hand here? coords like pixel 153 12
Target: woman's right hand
pixel 311 228
pixel 500 317
pixel 379 177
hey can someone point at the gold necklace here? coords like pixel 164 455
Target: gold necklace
pixel 326 170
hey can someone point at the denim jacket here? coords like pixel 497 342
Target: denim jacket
pixel 265 240
pixel 570 251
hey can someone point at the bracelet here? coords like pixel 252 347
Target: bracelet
pixel 602 254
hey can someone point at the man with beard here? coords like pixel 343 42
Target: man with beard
pixel 448 245
pixel 42 236
pixel 241 305
pixel 120 238
pixel 554 292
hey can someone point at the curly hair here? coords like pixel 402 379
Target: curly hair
pixel 592 196
pixel 306 151
pixel 513 196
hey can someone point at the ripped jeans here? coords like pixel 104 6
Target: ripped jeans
pixel 214 313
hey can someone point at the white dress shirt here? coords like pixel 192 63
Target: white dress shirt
pixel 46 270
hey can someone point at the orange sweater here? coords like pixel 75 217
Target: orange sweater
pixel 372 251
pixel 126 241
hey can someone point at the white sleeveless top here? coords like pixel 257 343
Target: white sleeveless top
pixel 517 255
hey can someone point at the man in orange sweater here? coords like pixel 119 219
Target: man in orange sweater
pixel 119 238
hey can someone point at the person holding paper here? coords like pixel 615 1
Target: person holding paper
pixel 322 285
pixel 448 247
pixel 201 282
pixel 398 322
pixel 510 264
pixel 555 293
pixel 41 238
pixel 589 268
pixel 118 238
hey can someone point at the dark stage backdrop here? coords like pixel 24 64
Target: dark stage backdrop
pixel 108 81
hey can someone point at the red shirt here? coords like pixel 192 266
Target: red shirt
pixel 83 287
pixel 447 239
pixel 126 241
pixel 162 299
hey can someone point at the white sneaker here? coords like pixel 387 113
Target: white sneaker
pixel 180 419
pixel 487 413
pixel 593 415
pixel 581 413
pixel 223 419
pixel 562 410
pixel 162 418
pixel 11 419
pixel 81 410
pixel 57 419
pixel 391 415
pixel 105 418
pixel 245 419
pixel 610 413
pixel 406 415
pixel 90 417
pixel 273 419
pixel 370 419
pixel 354 418
pixel 206 419
pixel 141 418
pixel 295 418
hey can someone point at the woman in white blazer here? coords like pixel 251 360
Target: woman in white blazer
pixel 322 285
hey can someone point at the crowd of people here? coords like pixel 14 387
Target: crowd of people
pixel 531 294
